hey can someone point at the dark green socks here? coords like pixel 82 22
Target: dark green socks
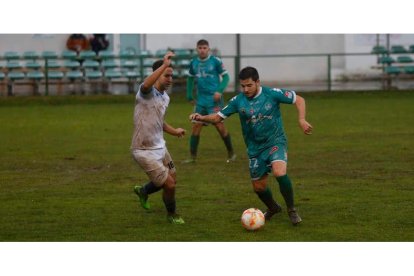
pixel 194 140
pixel 229 146
pixel 267 198
pixel 286 189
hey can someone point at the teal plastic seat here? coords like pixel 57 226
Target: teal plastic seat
pixel 87 55
pixel 93 74
pixel 33 65
pixel 126 54
pixel 52 64
pixel 109 63
pixel 148 62
pixel 409 69
pixel 90 64
pixel 11 55
pixel 404 59
pixel 131 74
pixel 160 53
pixel 183 62
pixel 411 49
pixel 13 64
pixel 129 64
pixel 379 50
pixel 392 70
pixel 70 55
pixel 16 75
pixel 49 55
pixel 71 64
pixel 145 53
pixel 73 75
pixel 55 75
pixel 31 55
pixel 386 60
pixel 112 74
pixel 2 76
pixel 398 49
pixel 35 75
pixel 106 54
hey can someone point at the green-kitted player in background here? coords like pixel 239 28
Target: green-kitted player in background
pixel 262 127
pixel 207 70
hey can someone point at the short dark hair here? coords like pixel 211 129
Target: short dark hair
pixel 249 72
pixel 158 64
pixel 202 42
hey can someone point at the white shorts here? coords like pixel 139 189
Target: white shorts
pixel 157 164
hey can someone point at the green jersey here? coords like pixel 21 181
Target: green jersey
pixel 207 72
pixel 260 117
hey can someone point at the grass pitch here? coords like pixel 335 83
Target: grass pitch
pixel 66 173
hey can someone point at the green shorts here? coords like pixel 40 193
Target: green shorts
pixel 206 108
pixel 262 164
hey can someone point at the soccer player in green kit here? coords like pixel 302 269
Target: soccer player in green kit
pixel 207 70
pixel 262 127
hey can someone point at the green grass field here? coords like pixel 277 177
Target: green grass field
pixel 66 173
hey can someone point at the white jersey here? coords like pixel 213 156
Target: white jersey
pixel 149 116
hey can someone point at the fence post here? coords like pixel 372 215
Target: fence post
pixel 237 64
pixel 329 74
pixel 46 77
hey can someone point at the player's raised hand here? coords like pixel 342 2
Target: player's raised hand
pixel 306 127
pixel 167 58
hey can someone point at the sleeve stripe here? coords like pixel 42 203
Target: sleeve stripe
pixel 221 115
pixel 224 72
pixel 294 97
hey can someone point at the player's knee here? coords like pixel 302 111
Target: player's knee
pixel 170 183
pixel 279 172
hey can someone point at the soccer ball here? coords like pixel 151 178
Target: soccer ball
pixel 252 219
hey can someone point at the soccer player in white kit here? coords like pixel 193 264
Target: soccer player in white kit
pixel 148 145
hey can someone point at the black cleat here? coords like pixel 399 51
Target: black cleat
pixel 294 216
pixel 269 213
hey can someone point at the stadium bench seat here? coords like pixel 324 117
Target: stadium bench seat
pixel 160 53
pixel 398 49
pixel 386 60
pixel 392 70
pixel 182 53
pixel 52 64
pixel 49 55
pixel 93 74
pixel 33 65
pixel 16 76
pixel 404 59
pixel 411 49
pixel 11 55
pixel 74 75
pixel 35 75
pixel 379 50
pixel 409 69
pixel 129 64
pixel 109 63
pixel 112 74
pixel 145 53
pixel 106 54
pixel 131 74
pixel 69 55
pixel 126 54
pixel 87 55
pixel 55 75
pixel 31 55
pixel 71 64
pixel 90 64
pixel 13 64
pixel 2 76
pixel 183 62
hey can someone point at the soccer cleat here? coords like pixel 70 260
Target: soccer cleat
pixel 189 161
pixel 175 219
pixel 143 198
pixel 232 158
pixel 269 213
pixel 294 216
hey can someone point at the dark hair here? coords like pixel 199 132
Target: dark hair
pixel 202 42
pixel 158 64
pixel 249 72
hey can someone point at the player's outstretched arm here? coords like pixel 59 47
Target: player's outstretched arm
pixel 301 107
pixel 212 118
pixel 179 132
